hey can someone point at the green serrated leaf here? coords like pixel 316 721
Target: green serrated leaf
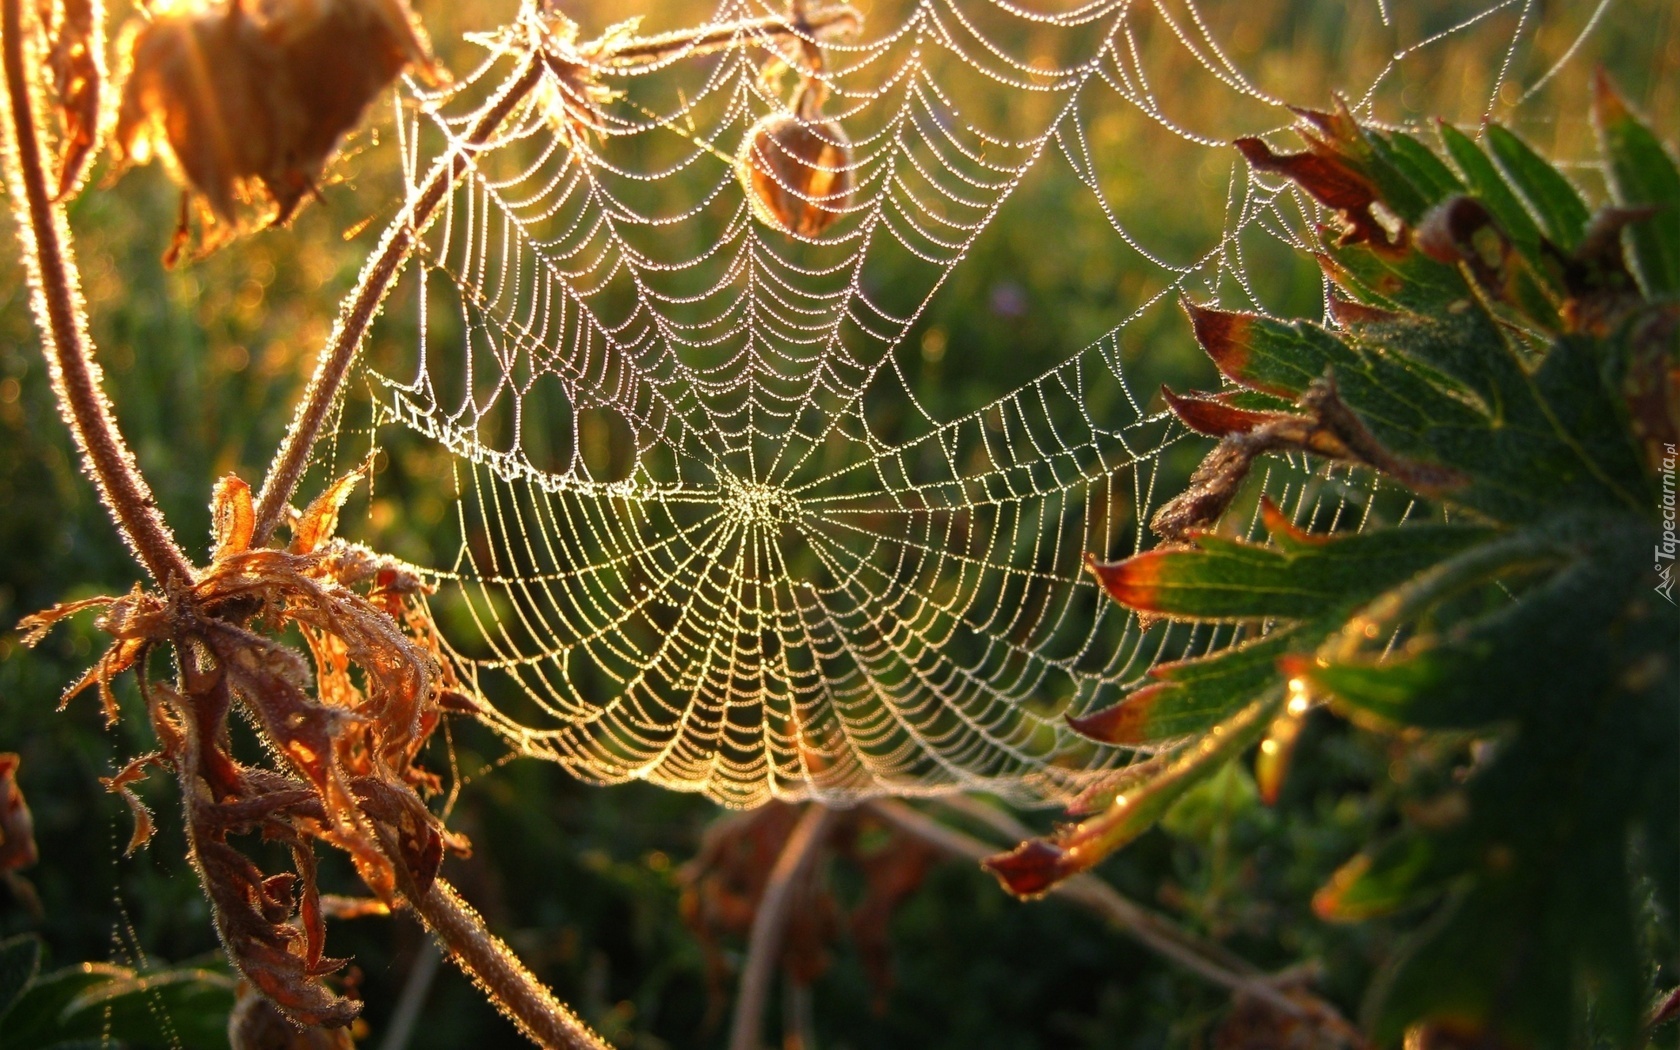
pixel 162 1009
pixel 36 1016
pixel 1144 805
pixel 1397 189
pixel 1401 872
pixel 1406 282
pixel 1213 803
pixel 1433 181
pixel 1454 347
pixel 1483 181
pixel 1038 864
pixel 1227 579
pixel 1270 356
pixel 1589 413
pixel 1551 198
pixel 1642 174
pixel 1193 695
pixel 195 1004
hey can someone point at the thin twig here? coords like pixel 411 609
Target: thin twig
pixel 764 944
pixel 498 972
pixel 413 997
pixel 1152 931
pixel 1014 831
pixel 652 50
pixel 365 299
pixel 76 375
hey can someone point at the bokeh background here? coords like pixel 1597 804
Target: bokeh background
pixel 205 361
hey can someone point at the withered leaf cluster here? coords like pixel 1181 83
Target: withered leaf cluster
pixel 345 728
pixel 246 99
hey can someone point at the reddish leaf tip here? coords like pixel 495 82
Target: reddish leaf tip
pixel 1223 336
pixel 1132 582
pixel 1031 869
pixel 1608 105
pixel 1208 415
pixel 1121 723
pixel 1285 531
pixel 1350 314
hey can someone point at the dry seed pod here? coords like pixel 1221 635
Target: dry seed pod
pixel 797 167
pixel 245 99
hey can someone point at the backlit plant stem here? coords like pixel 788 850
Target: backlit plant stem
pixel 122 487
pixel 495 969
pixel 1207 960
pixel 55 292
pixel 653 50
pixel 770 919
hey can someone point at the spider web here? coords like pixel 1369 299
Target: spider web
pixel 718 526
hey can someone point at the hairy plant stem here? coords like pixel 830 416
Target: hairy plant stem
pixel 498 972
pixel 122 487
pixel 765 942
pixel 75 373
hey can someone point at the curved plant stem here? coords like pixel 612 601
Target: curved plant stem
pixel 364 301
pixel 763 946
pixel 498 972
pixel 58 310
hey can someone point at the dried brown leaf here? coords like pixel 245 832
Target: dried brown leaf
pixel 346 731
pixel 121 785
pixel 257 1024
pixel 17 825
pixel 75 31
pixel 1326 170
pixel 247 99
pixel 233 521
pixel 1330 430
pixel 320 519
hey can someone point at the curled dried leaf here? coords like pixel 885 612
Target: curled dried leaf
pixel 1328 171
pixel 122 785
pixel 246 99
pixel 1330 430
pixel 320 519
pixel 257 1024
pixel 232 519
pixel 346 730
pixel 797 167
